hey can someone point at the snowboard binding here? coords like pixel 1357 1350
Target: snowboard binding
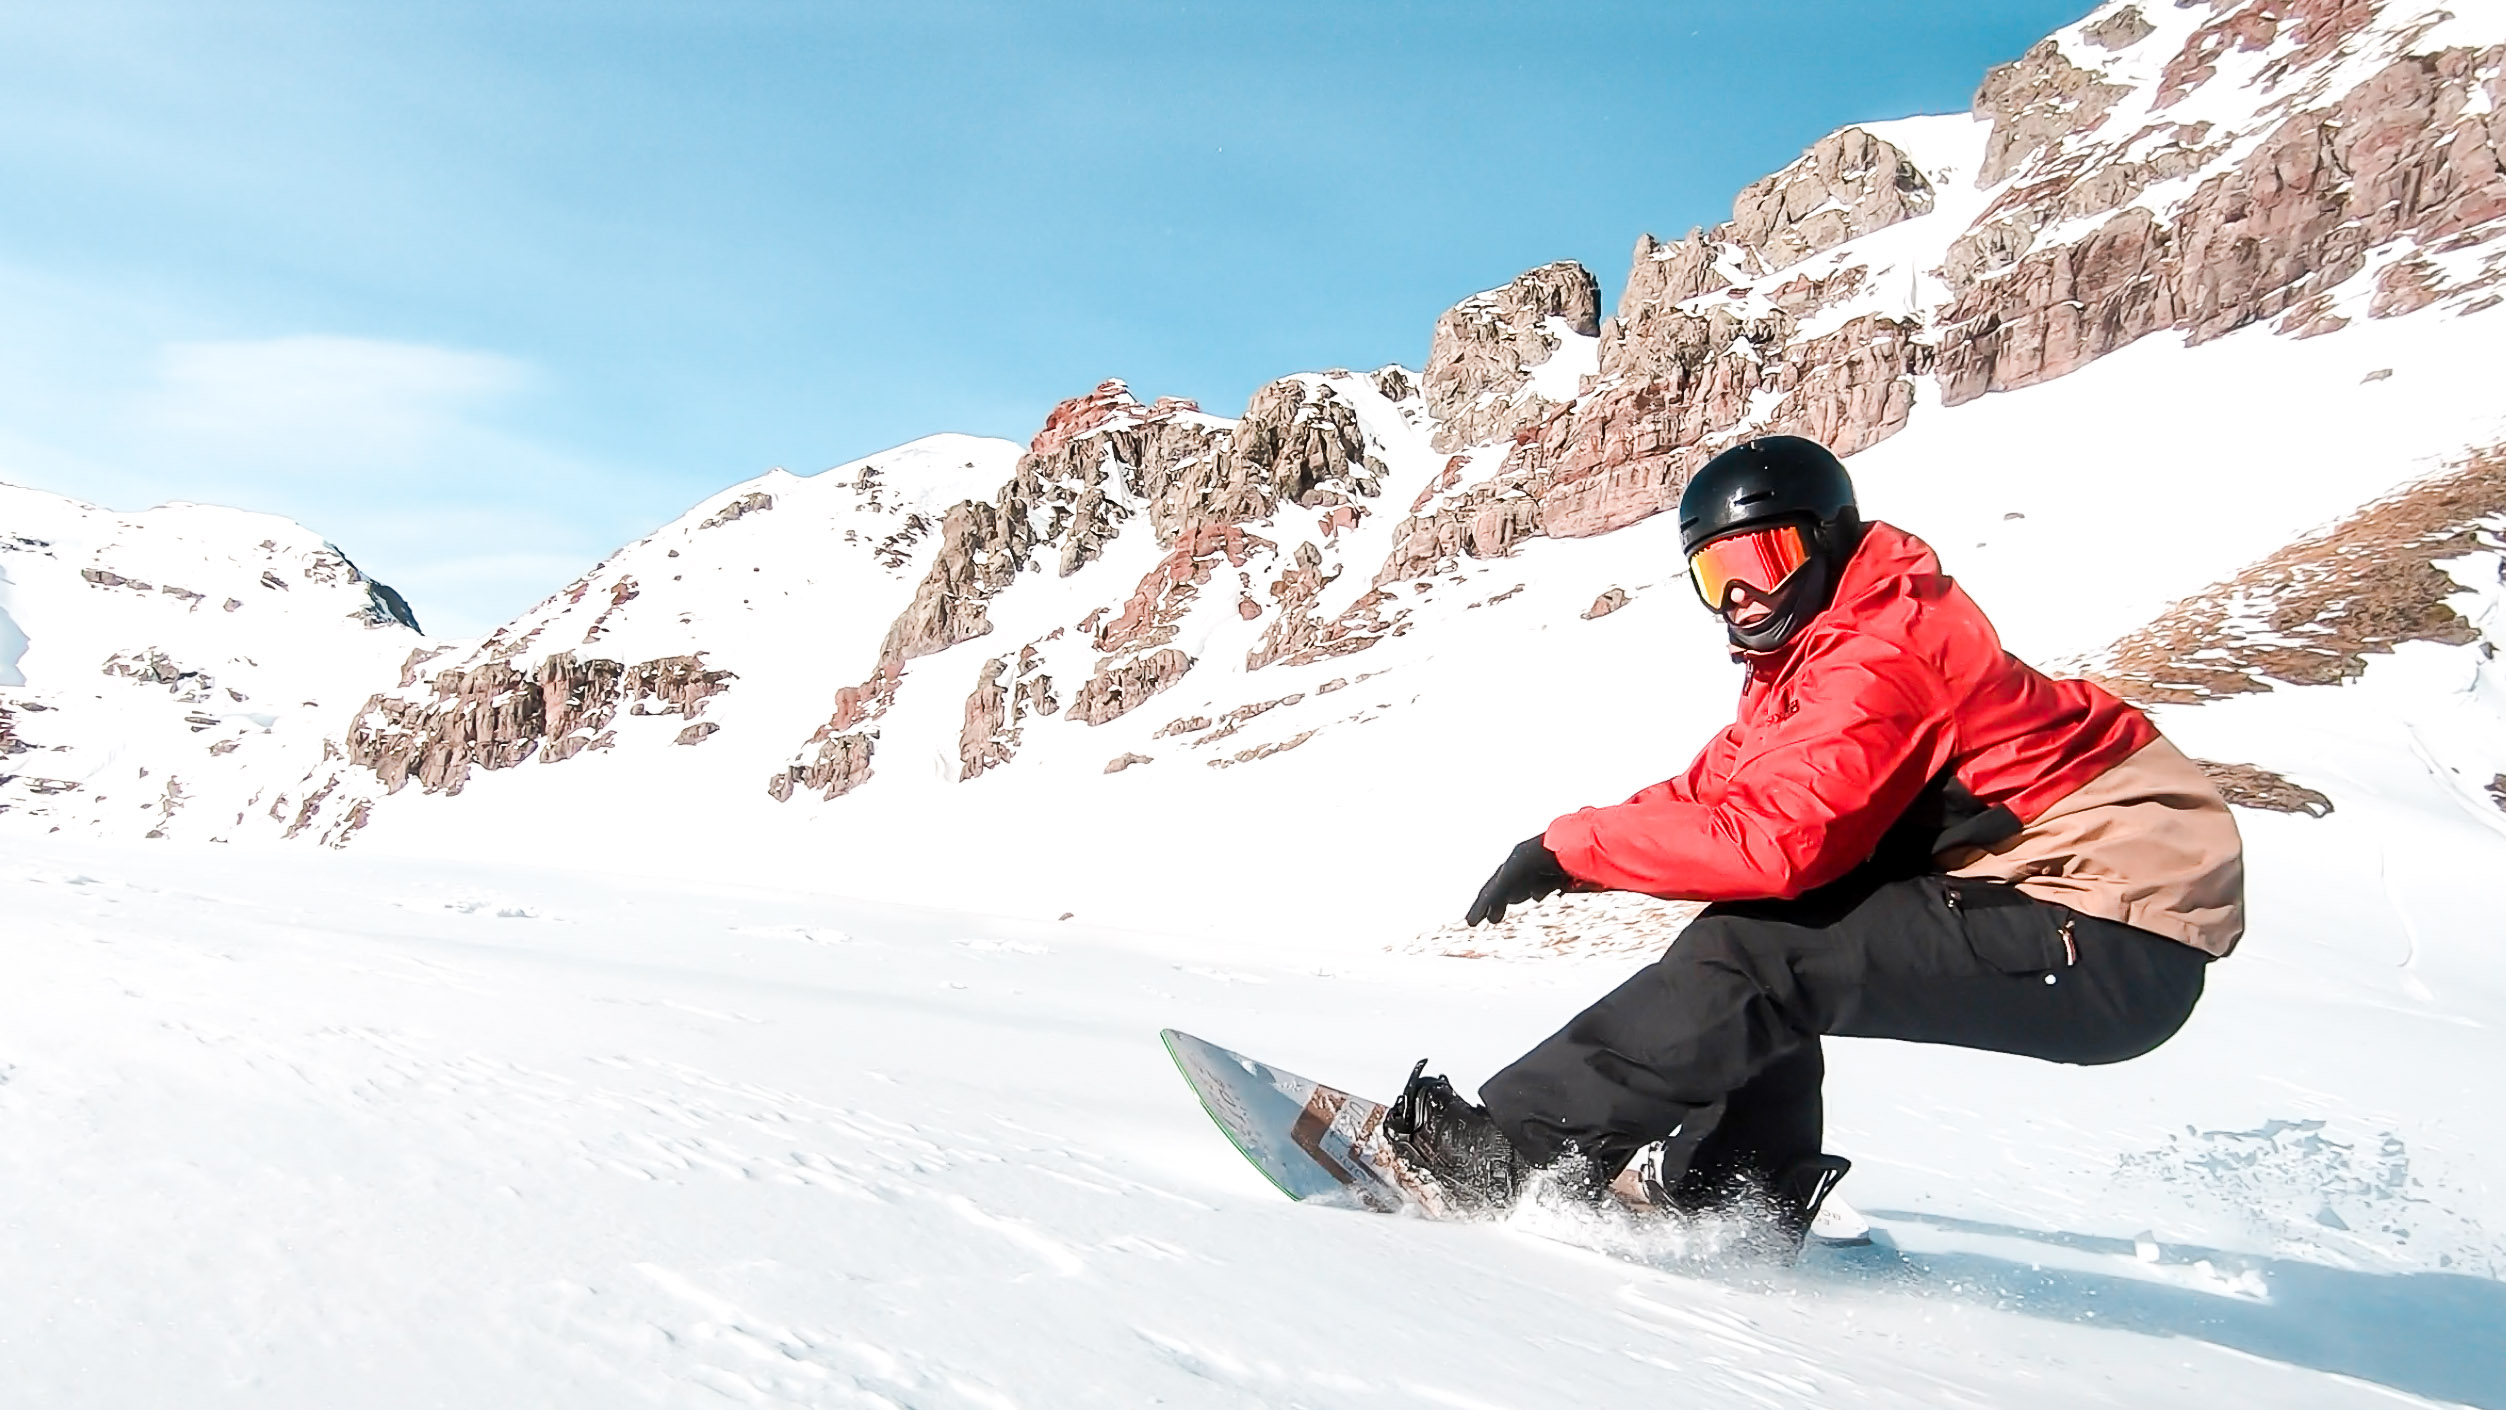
pixel 1452 1144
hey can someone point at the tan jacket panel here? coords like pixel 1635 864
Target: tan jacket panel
pixel 2149 843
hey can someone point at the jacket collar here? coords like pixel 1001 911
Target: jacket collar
pixel 1883 565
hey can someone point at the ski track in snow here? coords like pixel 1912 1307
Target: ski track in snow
pixel 303 1132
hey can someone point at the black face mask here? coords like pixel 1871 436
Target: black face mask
pixel 1801 597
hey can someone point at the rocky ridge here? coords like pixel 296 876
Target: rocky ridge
pixel 1100 462
pixel 2118 180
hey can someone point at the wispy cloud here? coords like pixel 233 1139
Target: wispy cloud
pixel 407 454
pixel 316 402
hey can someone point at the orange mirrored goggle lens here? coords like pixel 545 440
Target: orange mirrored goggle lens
pixel 1759 560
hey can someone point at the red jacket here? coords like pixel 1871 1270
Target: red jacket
pixel 1899 679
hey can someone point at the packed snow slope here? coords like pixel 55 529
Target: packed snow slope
pixel 325 1130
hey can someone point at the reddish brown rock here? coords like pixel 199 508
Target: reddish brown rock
pixel 2249 27
pixel 494 716
pixel 1608 602
pixel 2404 286
pixel 1485 347
pixel 1802 295
pixel 1117 690
pixel 2033 102
pixel 984 741
pixel 1149 617
pixel 1851 389
pixel 1263 751
pixel 841 765
pixel 2249 787
pixel 1301 637
pixel 1847 185
pixel 1121 762
pixel 673 685
pixel 2296 217
pixel 996 710
pixel 1240 716
pixel 1626 451
pixel 2312 613
pixel 2059 309
pixel 982 547
pixel 1298 442
pixel 2120 30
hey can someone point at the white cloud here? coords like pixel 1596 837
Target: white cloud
pixel 419 460
pixel 320 402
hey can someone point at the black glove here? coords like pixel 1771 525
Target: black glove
pixel 1531 871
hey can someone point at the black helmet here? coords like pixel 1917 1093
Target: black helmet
pixel 1767 481
pixel 1764 481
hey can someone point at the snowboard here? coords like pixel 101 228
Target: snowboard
pixel 1316 1143
pixel 1321 1145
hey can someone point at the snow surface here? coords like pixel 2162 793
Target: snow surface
pixel 319 1130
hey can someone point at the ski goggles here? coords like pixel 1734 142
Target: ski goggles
pixel 1760 560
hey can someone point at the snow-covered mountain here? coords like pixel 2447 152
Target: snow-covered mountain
pixel 164 672
pixel 2186 286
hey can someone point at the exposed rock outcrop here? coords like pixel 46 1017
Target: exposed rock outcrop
pixel 1099 462
pixel 1610 600
pixel 1301 634
pixel 985 740
pixel 753 502
pixel 2249 787
pixel 154 667
pixel 1116 691
pixel 2033 102
pixel 495 716
pixel 840 765
pixel 1848 184
pixel 2120 30
pixel 1149 616
pixel 997 709
pixel 1484 348
pixel 2313 612
pixel 1697 383
pixel 2409 152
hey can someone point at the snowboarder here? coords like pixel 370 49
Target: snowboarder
pixel 1907 833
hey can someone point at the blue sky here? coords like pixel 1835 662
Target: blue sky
pixel 482 291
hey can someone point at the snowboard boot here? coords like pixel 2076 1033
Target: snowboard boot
pixel 1797 1194
pixel 1780 1209
pixel 1453 1145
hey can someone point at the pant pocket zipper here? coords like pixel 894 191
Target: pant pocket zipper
pixel 2070 946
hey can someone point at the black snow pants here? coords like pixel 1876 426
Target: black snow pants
pixel 1718 1040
